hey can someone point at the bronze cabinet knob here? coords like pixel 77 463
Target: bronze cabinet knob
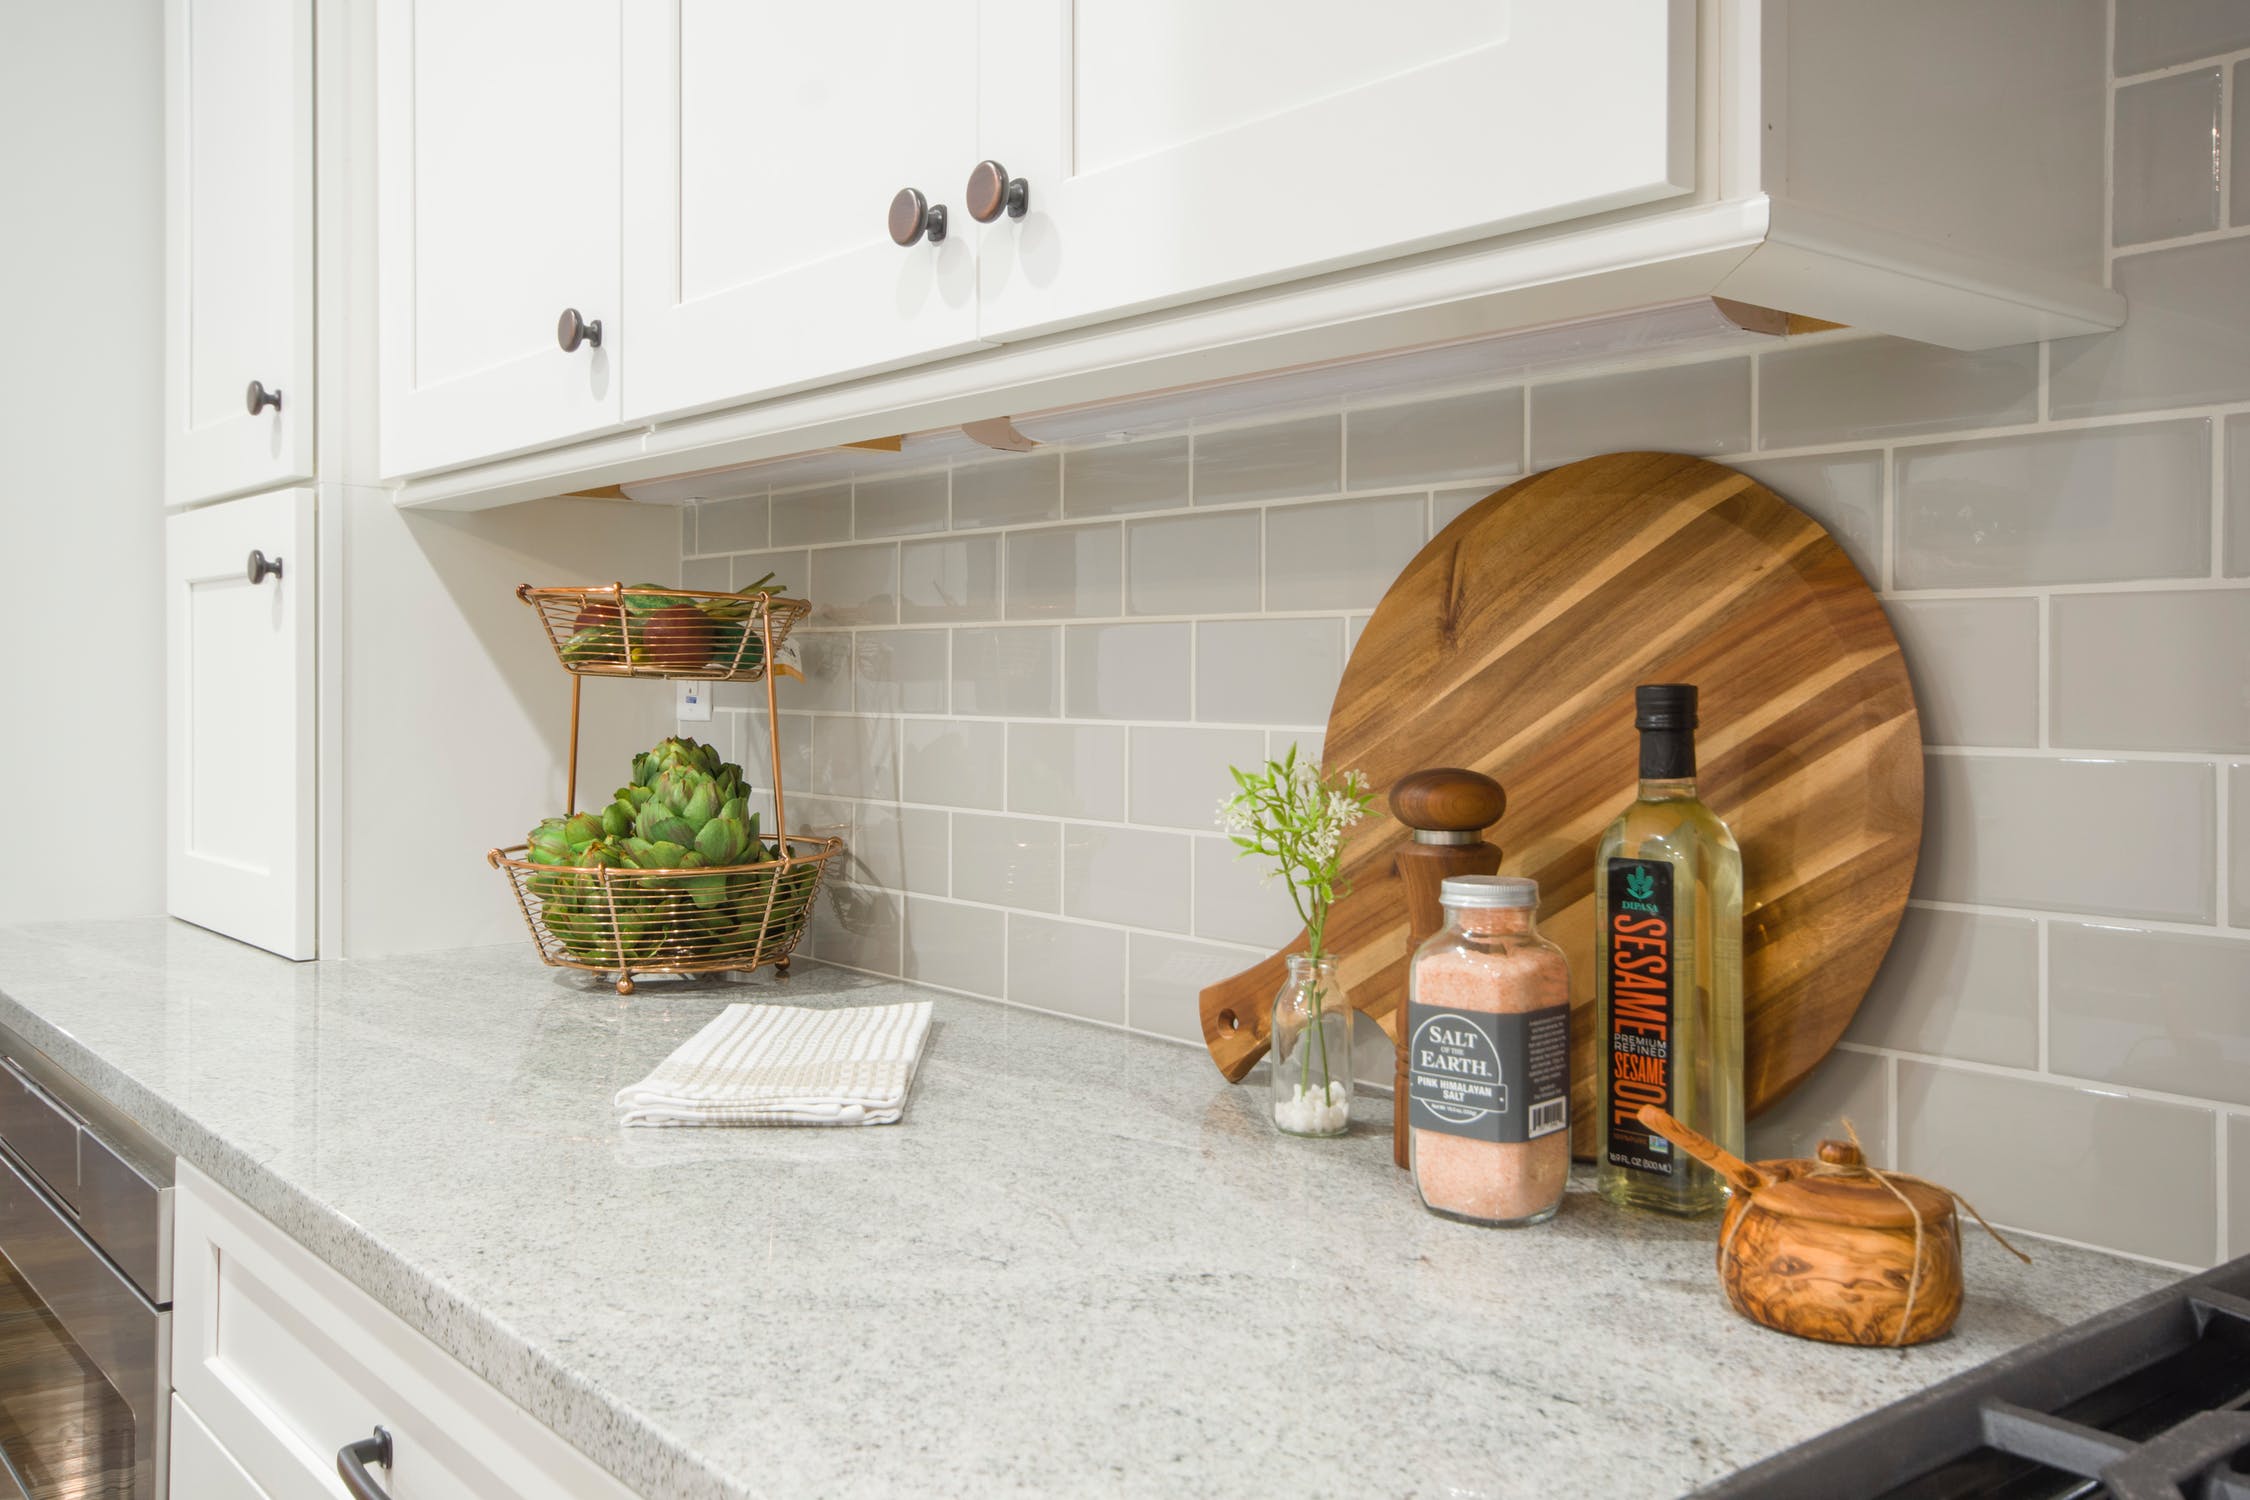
pixel 258 398
pixel 571 330
pixel 992 190
pixel 260 567
pixel 914 216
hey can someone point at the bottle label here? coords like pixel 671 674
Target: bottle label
pixel 1637 953
pixel 1488 1076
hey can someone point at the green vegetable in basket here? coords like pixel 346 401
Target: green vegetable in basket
pixel 596 643
pixel 650 603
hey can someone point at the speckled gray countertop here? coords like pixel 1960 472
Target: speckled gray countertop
pixel 1082 1265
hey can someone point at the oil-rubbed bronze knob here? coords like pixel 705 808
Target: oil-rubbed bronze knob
pixel 571 330
pixel 259 568
pixel 914 216
pixel 258 398
pixel 991 190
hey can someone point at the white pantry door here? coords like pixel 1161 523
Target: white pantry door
pixel 763 146
pixel 239 736
pixel 496 141
pixel 238 168
pixel 1179 148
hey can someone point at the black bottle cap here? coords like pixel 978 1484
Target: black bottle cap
pixel 1664 705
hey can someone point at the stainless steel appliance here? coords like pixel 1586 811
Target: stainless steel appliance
pixel 85 1290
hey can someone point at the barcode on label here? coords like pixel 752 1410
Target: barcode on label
pixel 1547 1118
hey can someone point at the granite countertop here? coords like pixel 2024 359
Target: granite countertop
pixel 1082 1265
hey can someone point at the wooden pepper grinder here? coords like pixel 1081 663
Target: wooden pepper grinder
pixel 1449 809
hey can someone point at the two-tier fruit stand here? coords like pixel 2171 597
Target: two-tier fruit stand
pixel 701 920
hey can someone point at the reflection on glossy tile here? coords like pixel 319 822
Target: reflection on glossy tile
pixel 1957 984
pixel 2238 843
pixel 2082 1163
pixel 1886 387
pixel 731 525
pixel 1842 491
pixel 901 848
pixel 1280 461
pixel 707 573
pixel 2058 507
pixel 1477 436
pixel 1235 903
pixel 899 506
pixel 1007 491
pixel 1167 979
pixel 1126 671
pixel 2186 343
pixel 2238 490
pixel 1852 1086
pixel 2163 33
pixel 854 585
pixel 1178 775
pixel 943 579
pixel 1267 671
pixel 825 657
pixel 1148 475
pixel 956 947
pixel 1975 667
pixel 1699 408
pixel 2238 1185
pixel 2128 838
pixel 2155 1010
pixel 900 671
pixel 855 926
pixel 822 515
pixel 755 748
pixel 2238 157
pixel 791 571
pixel 1064 572
pixel 956 762
pixel 1067 967
pixel 2157 671
pixel 854 757
pixel 1133 876
pixel 1008 861
pixel 1446 506
pixel 1192 565
pixel 1009 670
pixel 823 818
pixel 1067 770
pixel 2167 179
pixel 1340 554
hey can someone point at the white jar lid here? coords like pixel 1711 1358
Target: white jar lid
pixel 1488 891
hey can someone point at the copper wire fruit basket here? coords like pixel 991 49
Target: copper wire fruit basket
pixel 640 630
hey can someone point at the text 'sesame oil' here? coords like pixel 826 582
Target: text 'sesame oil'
pixel 1668 972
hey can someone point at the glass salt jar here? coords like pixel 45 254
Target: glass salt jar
pixel 1488 1066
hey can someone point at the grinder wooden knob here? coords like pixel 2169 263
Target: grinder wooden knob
pixel 1448 799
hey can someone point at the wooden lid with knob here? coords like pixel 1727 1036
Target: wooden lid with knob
pixel 1448 799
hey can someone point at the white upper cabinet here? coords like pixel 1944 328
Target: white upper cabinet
pixel 239 247
pixel 764 145
pixel 497 223
pixel 1172 149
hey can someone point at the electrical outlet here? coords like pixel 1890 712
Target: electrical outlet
pixel 695 701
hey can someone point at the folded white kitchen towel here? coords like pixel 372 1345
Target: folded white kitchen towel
pixel 786 1065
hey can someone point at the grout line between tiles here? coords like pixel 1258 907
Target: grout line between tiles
pixel 2222 1203
pixel 2044 966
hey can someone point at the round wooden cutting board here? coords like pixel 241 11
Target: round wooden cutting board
pixel 1512 643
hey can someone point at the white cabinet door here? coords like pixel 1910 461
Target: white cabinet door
pixel 238 151
pixel 497 209
pixel 1177 148
pixel 239 736
pixel 763 147
pixel 201 1469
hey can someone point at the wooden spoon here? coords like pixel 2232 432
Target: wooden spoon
pixel 1695 1143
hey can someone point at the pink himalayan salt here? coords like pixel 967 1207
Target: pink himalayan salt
pixel 1510 968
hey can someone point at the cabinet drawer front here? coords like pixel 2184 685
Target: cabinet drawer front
pixel 201 1469
pixel 286 1362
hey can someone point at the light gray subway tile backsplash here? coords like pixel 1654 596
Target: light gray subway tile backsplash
pixel 1127 671
pixel 854 585
pixel 1067 770
pixel 1842 491
pixel 856 926
pixel 956 762
pixel 1340 554
pixel 1013 670
pixel 854 757
pixel 755 748
pixel 1476 436
pixel 2168 670
pixel 949 580
pixel 1150 474
pixel 2167 178
pixel 1234 902
pixel 1064 572
pixel 2084 1163
pixel 899 506
pixel 2164 33
pixel 902 848
pixel 2238 1186
pixel 1166 980
pixel 1137 877
pixel 1282 460
pixel 825 657
pixel 791 570
pixel 1267 671
pixel 2237 502
pixel 2167 1011
pixel 1957 984
pixel 956 947
pixel 900 671
pixel 1014 862
pixel 2186 342
pixel 1008 491
pixel 801 517
pixel 714 573
pixel 1975 668
pixel 731 525
pixel 1193 565
pixel 2056 507
pixel 1852 1086
pixel 2237 853
pixel 2127 838
pixel 1446 506
pixel 2238 166
pixel 1177 776
pixel 1702 408
pixel 1860 390
pixel 1071 967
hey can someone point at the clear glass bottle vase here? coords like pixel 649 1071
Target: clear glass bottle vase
pixel 1311 1050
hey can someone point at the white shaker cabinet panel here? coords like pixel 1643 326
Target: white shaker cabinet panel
pixel 239 731
pixel 497 215
pixel 239 246
pixel 1172 149
pixel 764 145
pixel 201 1469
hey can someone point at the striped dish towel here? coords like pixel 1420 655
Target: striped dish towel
pixel 784 1065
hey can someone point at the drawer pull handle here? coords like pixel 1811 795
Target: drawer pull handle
pixel 992 190
pixel 353 1458
pixel 571 330
pixel 914 216
pixel 258 398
